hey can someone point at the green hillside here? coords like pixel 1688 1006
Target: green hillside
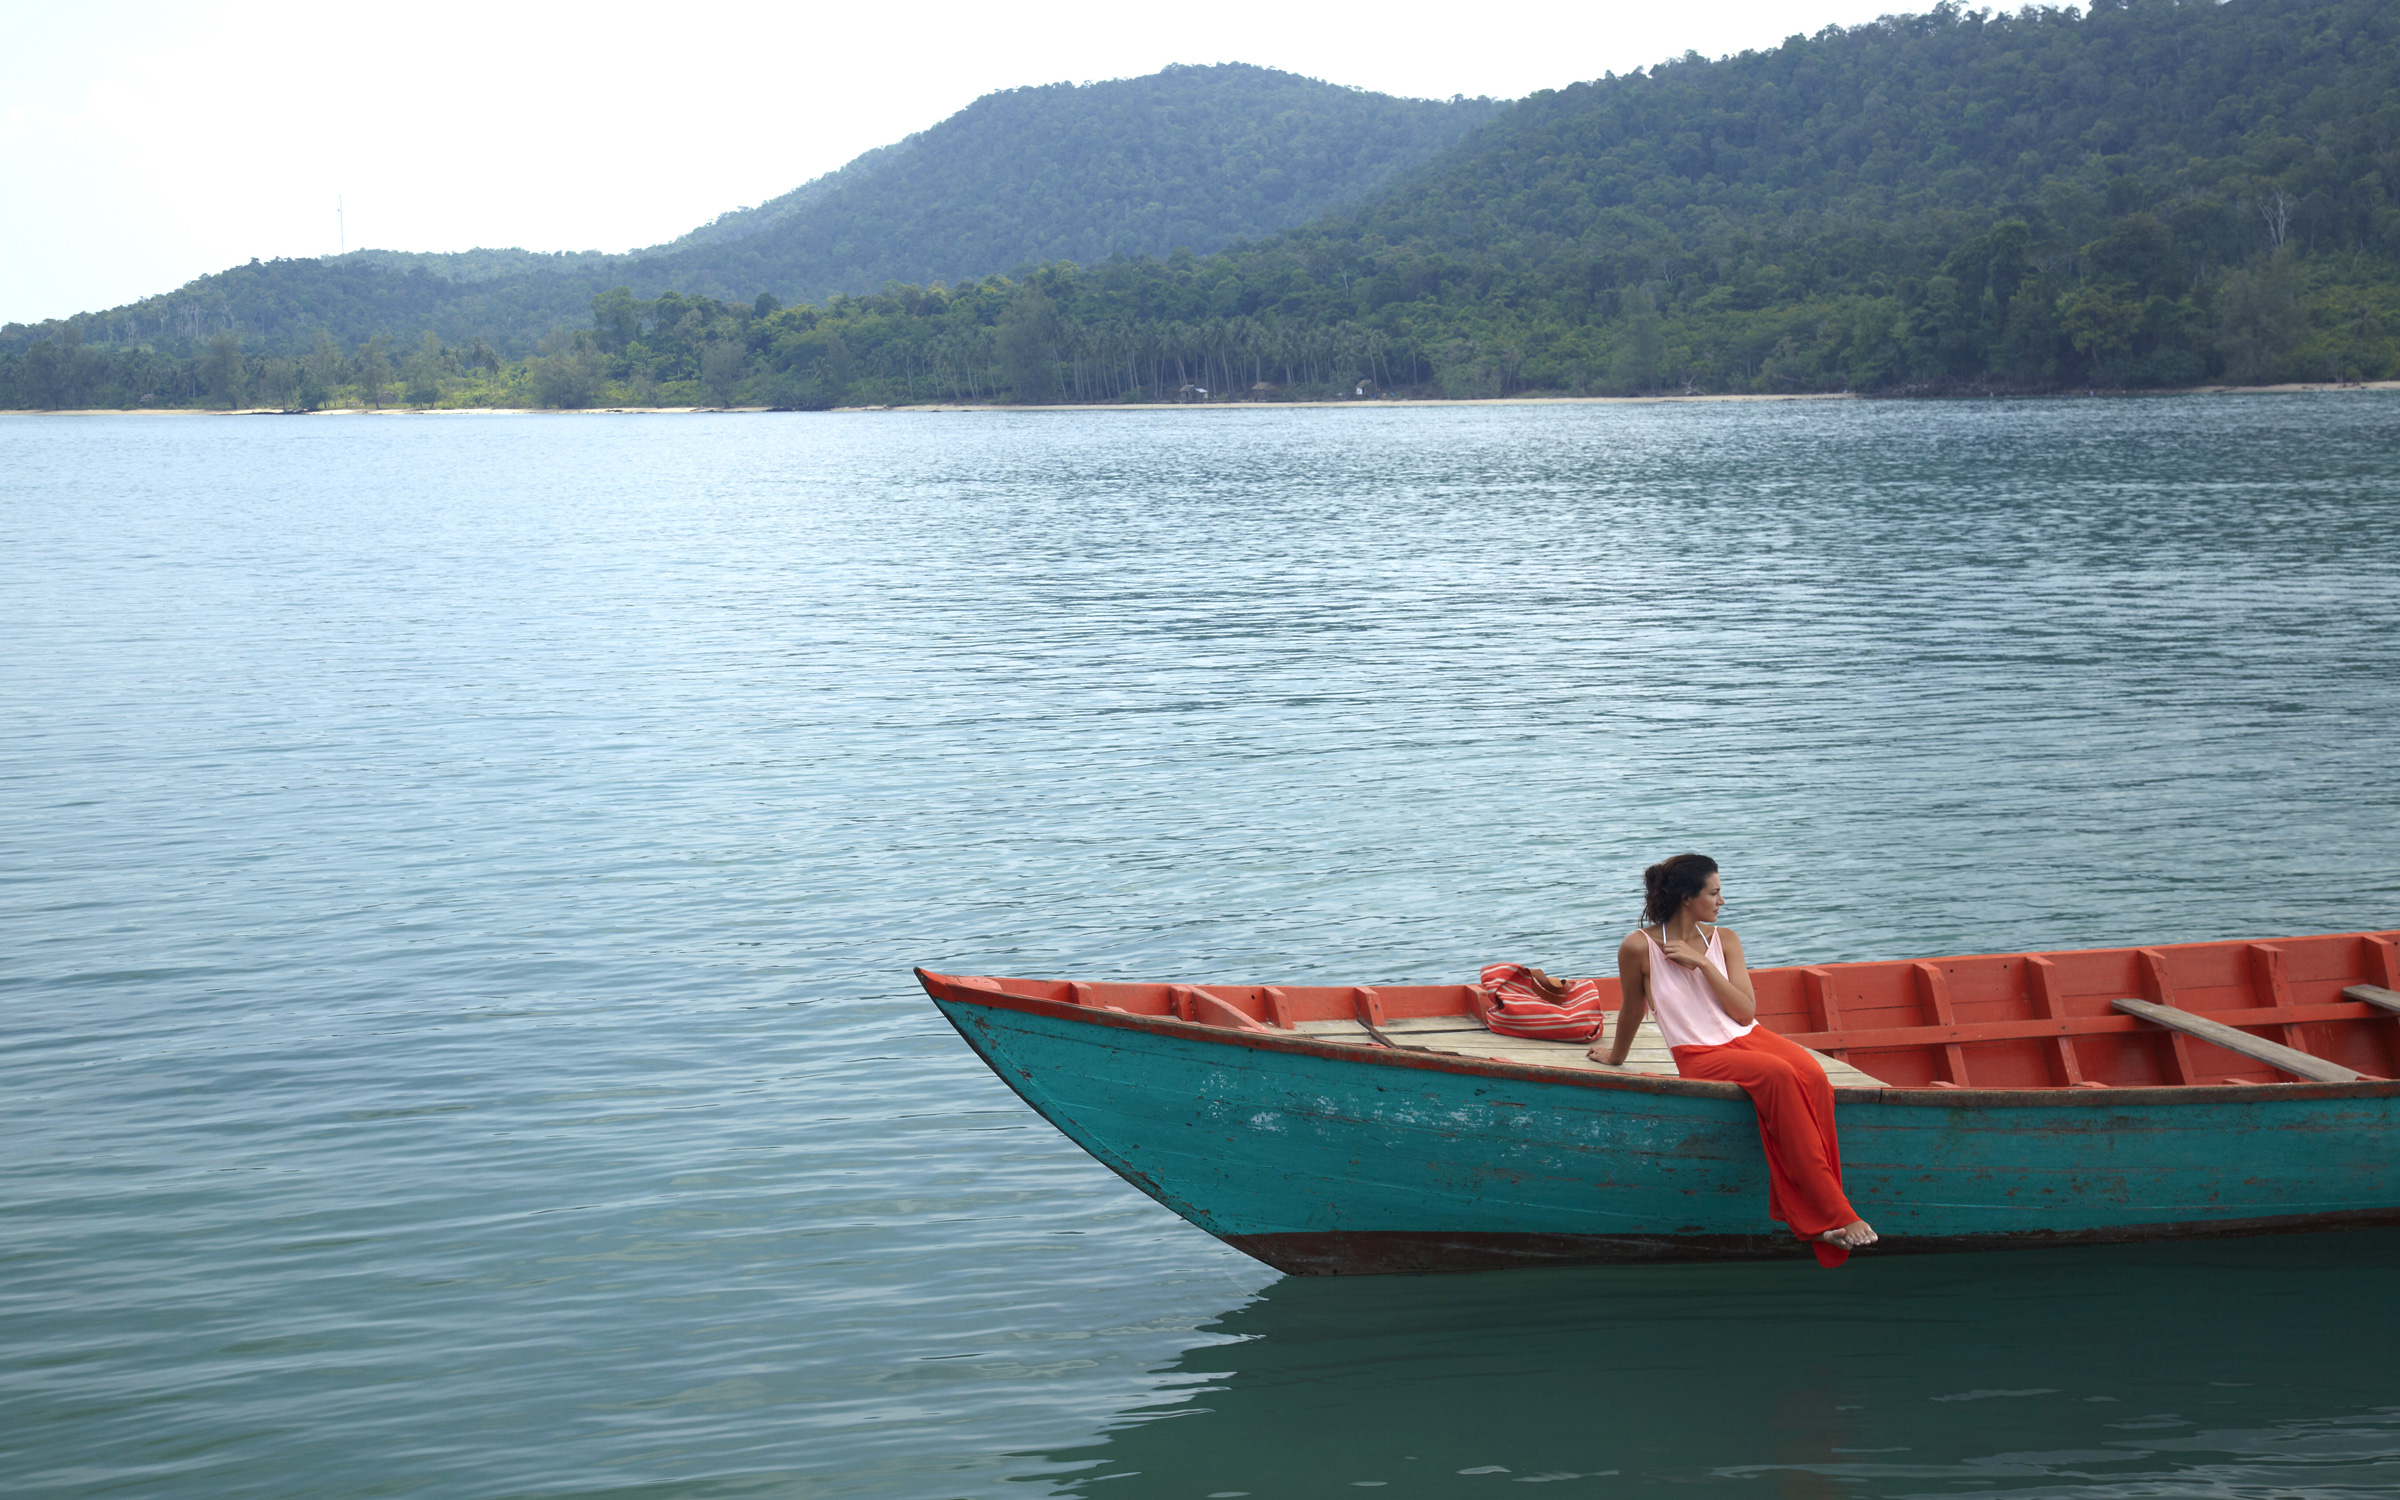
pixel 1191 157
pixel 2153 193
pixel 2149 194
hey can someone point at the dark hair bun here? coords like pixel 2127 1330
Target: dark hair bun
pixel 1671 882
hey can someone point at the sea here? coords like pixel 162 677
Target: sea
pixel 460 877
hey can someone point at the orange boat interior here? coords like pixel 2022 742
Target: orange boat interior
pixel 2322 1009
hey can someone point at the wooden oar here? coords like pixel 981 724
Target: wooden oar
pixel 2274 1054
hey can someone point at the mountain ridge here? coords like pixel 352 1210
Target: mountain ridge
pixel 1017 177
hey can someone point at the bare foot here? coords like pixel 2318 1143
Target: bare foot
pixel 1851 1236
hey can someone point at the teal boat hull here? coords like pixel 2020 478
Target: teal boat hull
pixel 1323 1159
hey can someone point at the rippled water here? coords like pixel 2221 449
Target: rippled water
pixel 458 880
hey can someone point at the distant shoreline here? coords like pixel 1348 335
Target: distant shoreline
pixel 2296 388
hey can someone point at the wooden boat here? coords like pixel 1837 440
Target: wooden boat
pixel 2001 1100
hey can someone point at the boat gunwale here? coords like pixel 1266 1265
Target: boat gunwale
pixel 955 991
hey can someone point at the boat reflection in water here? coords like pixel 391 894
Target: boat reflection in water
pixel 2237 1367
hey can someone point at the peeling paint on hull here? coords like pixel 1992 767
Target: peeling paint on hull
pixel 1321 1160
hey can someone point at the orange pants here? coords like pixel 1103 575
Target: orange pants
pixel 1795 1124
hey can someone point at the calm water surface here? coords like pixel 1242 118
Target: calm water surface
pixel 459 876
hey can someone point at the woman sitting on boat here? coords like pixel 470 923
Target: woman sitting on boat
pixel 1690 972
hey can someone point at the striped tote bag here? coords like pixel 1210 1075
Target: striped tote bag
pixel 1520 1008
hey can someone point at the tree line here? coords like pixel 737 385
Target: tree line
pixel 1998 313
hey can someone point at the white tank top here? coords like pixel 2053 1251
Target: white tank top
pixel 1687 1010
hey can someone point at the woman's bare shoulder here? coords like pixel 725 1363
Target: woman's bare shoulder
pixel 1635 943
pixel 1729 935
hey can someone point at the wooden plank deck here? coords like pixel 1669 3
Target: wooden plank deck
pixel 1464 1036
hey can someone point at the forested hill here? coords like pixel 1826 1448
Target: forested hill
pixel 2154 145
pixel 1188 158
pixel 2160 192
pixel 2150 193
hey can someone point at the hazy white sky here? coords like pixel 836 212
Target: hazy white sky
pixel 144 144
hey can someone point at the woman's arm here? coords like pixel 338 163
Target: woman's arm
pixel 1730 985
pixel 1633 989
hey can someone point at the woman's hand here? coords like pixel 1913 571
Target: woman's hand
pixel 1689 954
